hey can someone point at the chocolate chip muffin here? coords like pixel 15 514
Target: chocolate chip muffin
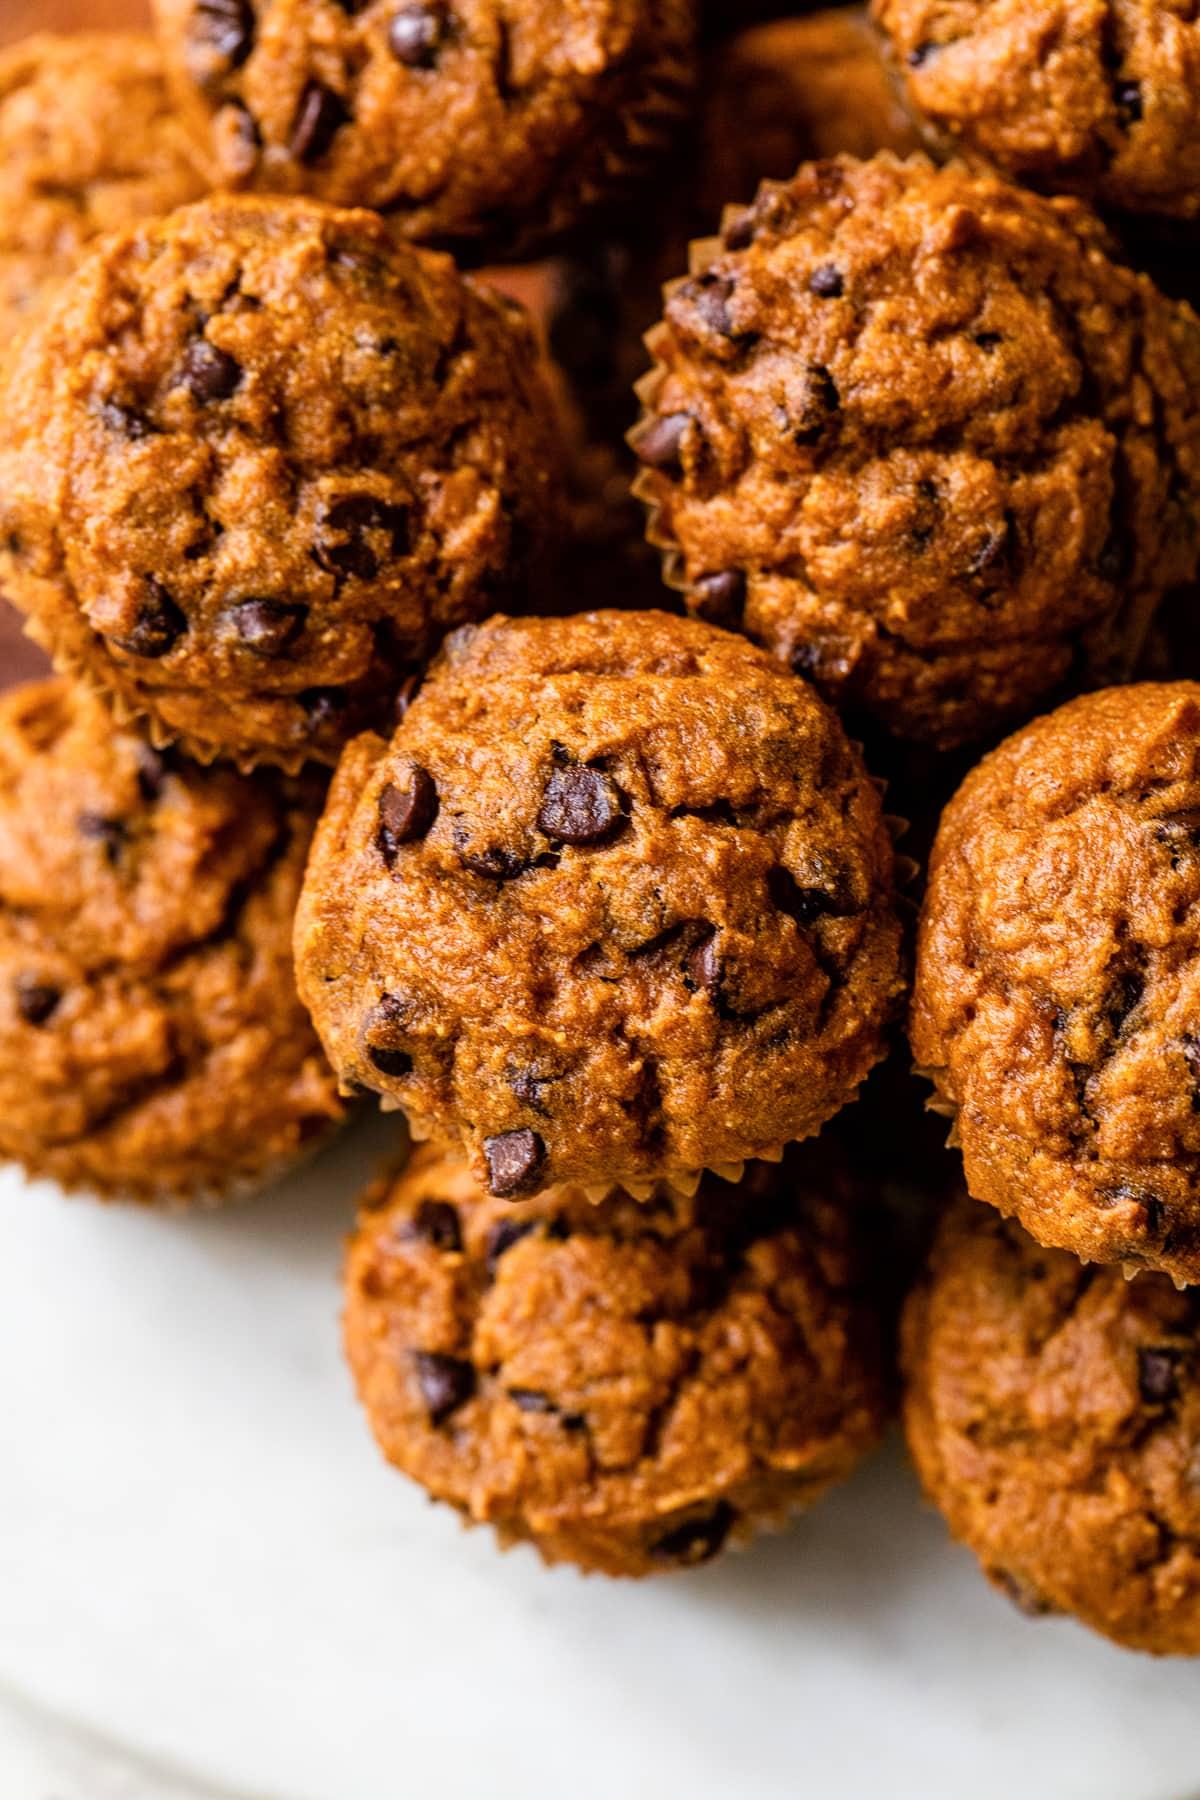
pixel 152 1046
pixel 1058 979
pixel 916 432
pixel 260 456
pixel 482 124
pixel 1053 1412
pixel 89 143
pixel 1068 94
pixel 628 1387
pixel 615 903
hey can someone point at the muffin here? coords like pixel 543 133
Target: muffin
pixel 1057 990
pixel 627 1387
pixel 260 457
pixel 1053 1412
pixel 484 125
pixel 918 434
pixel 615 903
pixel 88 143
pixel 152 1046
pixel 1075 96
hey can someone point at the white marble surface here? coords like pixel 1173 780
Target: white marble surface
pixel 211 1589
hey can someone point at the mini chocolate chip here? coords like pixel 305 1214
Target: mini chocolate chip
pixel 415 35
pixel 225 27
pixel 396 1063
pixel 319 116
pixel 109 833
pixel 826 282
pixel 514 1160
pixel 158 627
pixel 368 528
pixel 126 421
pixel 501 1238
pixel 703 965
pixel 446 1383
pixel 406 812
pixel 37 1001
pixel 659 443
pixel 720 598
pixel 209 373
pixel 1128 96
pixel 267 627
pixel 530 1400
pixel 1158 1376
pixel 697 1540
pixel 436 1222
pixel 579 806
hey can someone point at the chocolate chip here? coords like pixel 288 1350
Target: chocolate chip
pixel 243 140
pixel 703 966
pixel 37 1001
pixel 804 904
pixel 406 812
pixel 698 1540
pixel 125 420
pixel 530 1400
pixel 319 116
pixel 720 598
pixel 492 863
pixel 514 1161
pixel 659 443
pixel 226 27
pixel 158 627
pixel 502 1237
pixel 987 341
pixel 579 806
pixel 826 282
pixel 395 1063
pixel 822 402
pixel 406 693
pixel 739 233
pixel 151 773
pixel 1158 1376
pixel 446 1383
pixel 109 833
pixel 436 1222
pixel 805 659
pixel 209 373
pixel 360 531
pixel 1024 1596
pixel 267 627
pixel 708 298
pixel 527 1087
pixel 1128 96
pixel 920 56
pixel 415 35
pixel 993 552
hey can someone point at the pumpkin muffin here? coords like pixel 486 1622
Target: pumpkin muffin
pixel 919 434
pixel 627 1387
pixel 1057 994
pixel 615 903
pixel 1053 1412
pixel 488 125
pixel 260 456
pixel 152 1046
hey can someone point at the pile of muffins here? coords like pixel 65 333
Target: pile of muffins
pixel 437 724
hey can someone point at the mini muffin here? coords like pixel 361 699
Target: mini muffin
pixel 1053 1412
pixel 1057 997
pixel 260 456
pixel 88 143
pixel 152 1046
pixel 1100 100
pixel 917 433
pixel 615 903
pixel 474 123
pixel 628 1387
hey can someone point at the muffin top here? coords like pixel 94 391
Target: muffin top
pixel 482 123
pixel 615 902
pixel 152 1044
pixel 1058 978
pixel 629 1385
pixel 261 455
pixel 916 431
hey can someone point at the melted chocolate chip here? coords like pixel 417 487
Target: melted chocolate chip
pixel 1158 1376
pixel 436 1222
pixel 226 27
pixel 267 627
pixel 208 373
pixel 446 1383
pixel 358 533
pixel 703 966
pixel 826 282
pixel 319 117
pixel 698 1540
pixel 492 863
pixel 158 627
pixel 37 1001
pixel 416 35
pixel 579 806
pixel 720 598
pixel 406 812
pixel 659 444
pixel 514 1161
pixel 502 1237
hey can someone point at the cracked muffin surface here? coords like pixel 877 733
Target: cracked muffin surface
pixel 152 1044
pixel 629 1386
pixel 615 902
pixel 483 124
pixel 1053 1412
pixel 918 434
pixel 260 457
pixel 89 143
pixel 1057 993
pixel 1097 97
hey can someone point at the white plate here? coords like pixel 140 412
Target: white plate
pixel 212 1589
